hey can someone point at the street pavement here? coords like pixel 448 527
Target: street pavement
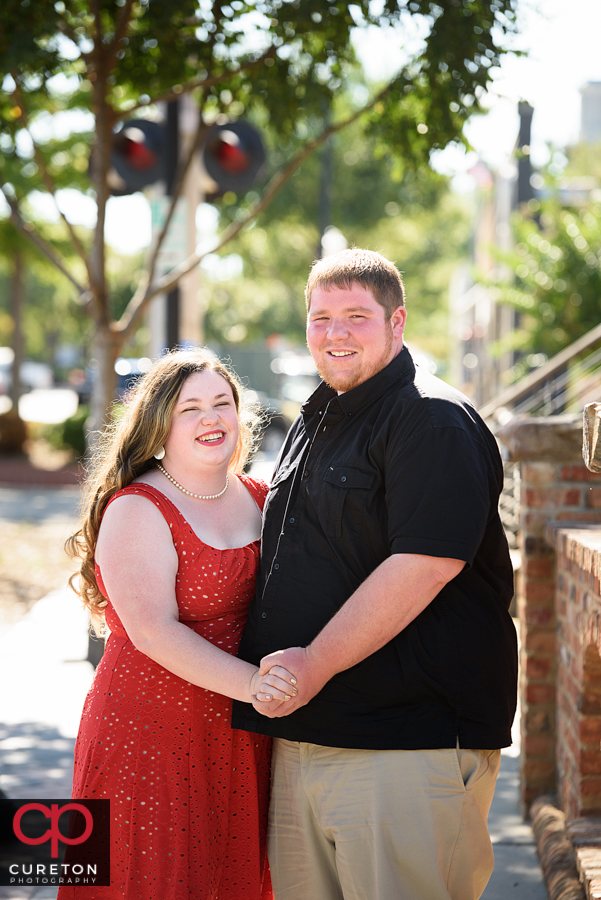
pixel 39 504
pixel 45 677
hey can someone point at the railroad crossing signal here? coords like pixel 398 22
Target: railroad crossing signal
pixel 233 155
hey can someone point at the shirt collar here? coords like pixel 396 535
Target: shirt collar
pixel 401 370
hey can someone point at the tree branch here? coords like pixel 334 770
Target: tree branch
pixel 122 23
pixel 204 82
pixel 28 230
pixel 98 35
pixel 104 123
pixel 142 298
pixel 48 180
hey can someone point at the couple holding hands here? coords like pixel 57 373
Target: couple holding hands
pixel 320 672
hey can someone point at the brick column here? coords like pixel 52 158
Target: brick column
pixel 536 614
pixel 555 487
pixel 579 668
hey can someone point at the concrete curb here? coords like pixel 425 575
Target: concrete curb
pixel 555 851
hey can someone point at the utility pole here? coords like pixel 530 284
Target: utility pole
pixel 325 185
pixel 524 187
pixel 171 164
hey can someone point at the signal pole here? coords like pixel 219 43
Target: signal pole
pixel 171 160
pixel 524 190
pixel 232 158
pixel 147 153
pixel 190 309
pixel 175 319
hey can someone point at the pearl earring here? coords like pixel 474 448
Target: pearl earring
pixel 160 453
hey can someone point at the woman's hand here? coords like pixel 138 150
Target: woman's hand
pixel 311 675
pixel 276 685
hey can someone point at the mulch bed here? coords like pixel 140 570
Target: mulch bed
pixel 18 471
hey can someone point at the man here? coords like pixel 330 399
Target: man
pixel 386 574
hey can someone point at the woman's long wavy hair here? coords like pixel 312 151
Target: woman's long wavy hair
pixel 126 450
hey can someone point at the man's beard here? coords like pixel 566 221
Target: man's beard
pixel 349 380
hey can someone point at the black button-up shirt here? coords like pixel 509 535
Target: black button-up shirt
pixel 400 464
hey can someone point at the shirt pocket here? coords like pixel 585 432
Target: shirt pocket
pixel 345 493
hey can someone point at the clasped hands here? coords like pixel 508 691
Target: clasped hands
pixel 287 680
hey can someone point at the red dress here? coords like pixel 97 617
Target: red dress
pixel 188 794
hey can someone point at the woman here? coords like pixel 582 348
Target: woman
pixel 169 545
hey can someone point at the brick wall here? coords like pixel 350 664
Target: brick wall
pixel 578 668
pixel 550 491
pixel 559 611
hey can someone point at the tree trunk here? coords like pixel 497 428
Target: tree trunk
pixel 105 350
pixel 16 307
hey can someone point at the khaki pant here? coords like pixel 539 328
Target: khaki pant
pixel 380 824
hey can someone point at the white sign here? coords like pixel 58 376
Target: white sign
pixel 174 248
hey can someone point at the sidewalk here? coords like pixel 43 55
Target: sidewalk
pixel 45 678
pixel 517 874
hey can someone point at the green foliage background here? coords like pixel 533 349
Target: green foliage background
pixel 112 59
pixel 554 271
pixel 410 215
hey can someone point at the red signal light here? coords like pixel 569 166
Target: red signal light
pixel 233 155
pixel 138 155
pixel 229 153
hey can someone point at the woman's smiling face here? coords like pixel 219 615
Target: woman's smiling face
pixel 204 426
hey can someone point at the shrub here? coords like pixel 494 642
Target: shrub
pixel 13 433
pixel 70 434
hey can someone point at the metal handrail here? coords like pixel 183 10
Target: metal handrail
pixel 585 367
pixel 526 385
pixel 552 396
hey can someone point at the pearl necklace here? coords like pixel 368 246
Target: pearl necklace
pixel 189 493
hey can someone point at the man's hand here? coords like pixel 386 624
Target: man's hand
pixel 273 684
pixel 310 676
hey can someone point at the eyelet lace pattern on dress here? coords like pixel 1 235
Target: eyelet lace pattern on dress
pixel 188 794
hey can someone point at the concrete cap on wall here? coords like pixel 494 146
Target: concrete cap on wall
pixel 591 429
pixel 548 439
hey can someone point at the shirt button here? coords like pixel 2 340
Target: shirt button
pixel 292 520
pixel 306 474
pixel 277 566
pixel 343 478
pixel 263 615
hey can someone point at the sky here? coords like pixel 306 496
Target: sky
pixel 562 41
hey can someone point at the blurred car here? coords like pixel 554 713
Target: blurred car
pixel 297 379
pixel 130 369
pixel 275 422
pixel 33 375
pixel 127 369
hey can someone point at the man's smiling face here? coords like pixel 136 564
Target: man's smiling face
pixel 349 337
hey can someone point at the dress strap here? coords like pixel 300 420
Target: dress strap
pixel 164 504
pixel 257 489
